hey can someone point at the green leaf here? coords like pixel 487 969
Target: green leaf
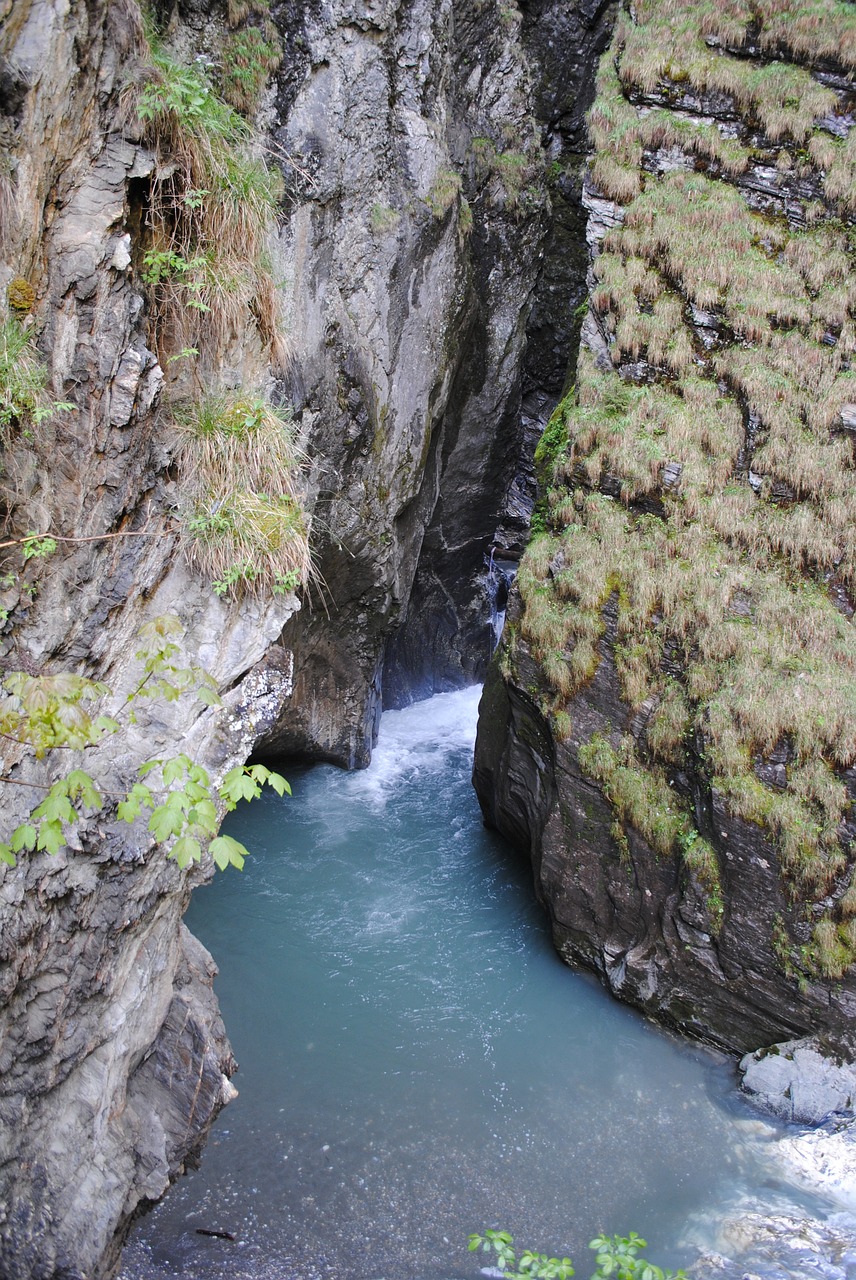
pixel 165 822
pixel 175 769
pixel 23 837
pixel 56 806
pixel 226 851
pixel 7 856
pixel 50 837
pixel 107 725
pixel 146 768
pixel 128 810
pixel 278 782
pixel 141 793
pixel 185 851
pixel 205 812
pixel 209 697
pixel 194 792
pixel 81 785
pixel 238 785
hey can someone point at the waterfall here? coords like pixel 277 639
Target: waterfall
pixel 500 575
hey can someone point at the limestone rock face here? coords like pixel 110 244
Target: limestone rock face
pixel 413 263
pixel 418 244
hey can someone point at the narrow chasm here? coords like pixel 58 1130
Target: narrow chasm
pixel 481 521
pixel 353 354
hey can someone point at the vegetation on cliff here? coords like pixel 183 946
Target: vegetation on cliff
pixel 48 716
pixel 701 472
pixel 202 255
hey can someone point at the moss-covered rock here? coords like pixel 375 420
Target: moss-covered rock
pixel 698 545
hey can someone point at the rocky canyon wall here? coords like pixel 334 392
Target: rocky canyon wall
pixel 418 239
pixel 668 730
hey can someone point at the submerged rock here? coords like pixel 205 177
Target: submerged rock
pixel 823 1161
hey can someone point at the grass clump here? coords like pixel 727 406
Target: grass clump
pixel 244 522
pixel 670 44
pixel 212 206
pixel 668 41
pixel 810 29
pixel 517 174
pixel 832 949
pixel 383 218
pixel 249 56
pixel 445 191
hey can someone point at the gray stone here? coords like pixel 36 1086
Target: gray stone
pixel 805 1081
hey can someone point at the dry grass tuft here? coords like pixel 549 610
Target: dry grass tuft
pixel 244 522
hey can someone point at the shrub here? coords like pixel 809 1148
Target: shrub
pixel 617 1256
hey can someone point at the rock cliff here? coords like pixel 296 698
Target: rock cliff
pixel 669 728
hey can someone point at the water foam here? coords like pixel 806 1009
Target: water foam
pixel 417 740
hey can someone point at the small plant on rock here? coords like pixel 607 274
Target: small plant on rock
pixel 49 716
pixel 24 398
pixel 212 205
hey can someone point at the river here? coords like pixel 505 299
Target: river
pixel 416 1063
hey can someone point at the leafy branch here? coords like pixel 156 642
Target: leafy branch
pixel 618 1258
pixel 63 712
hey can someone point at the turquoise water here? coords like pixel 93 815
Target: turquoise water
pixel 417 1064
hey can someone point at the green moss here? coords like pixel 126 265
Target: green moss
pixel 554 440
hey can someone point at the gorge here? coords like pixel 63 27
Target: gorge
pixel 391 222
